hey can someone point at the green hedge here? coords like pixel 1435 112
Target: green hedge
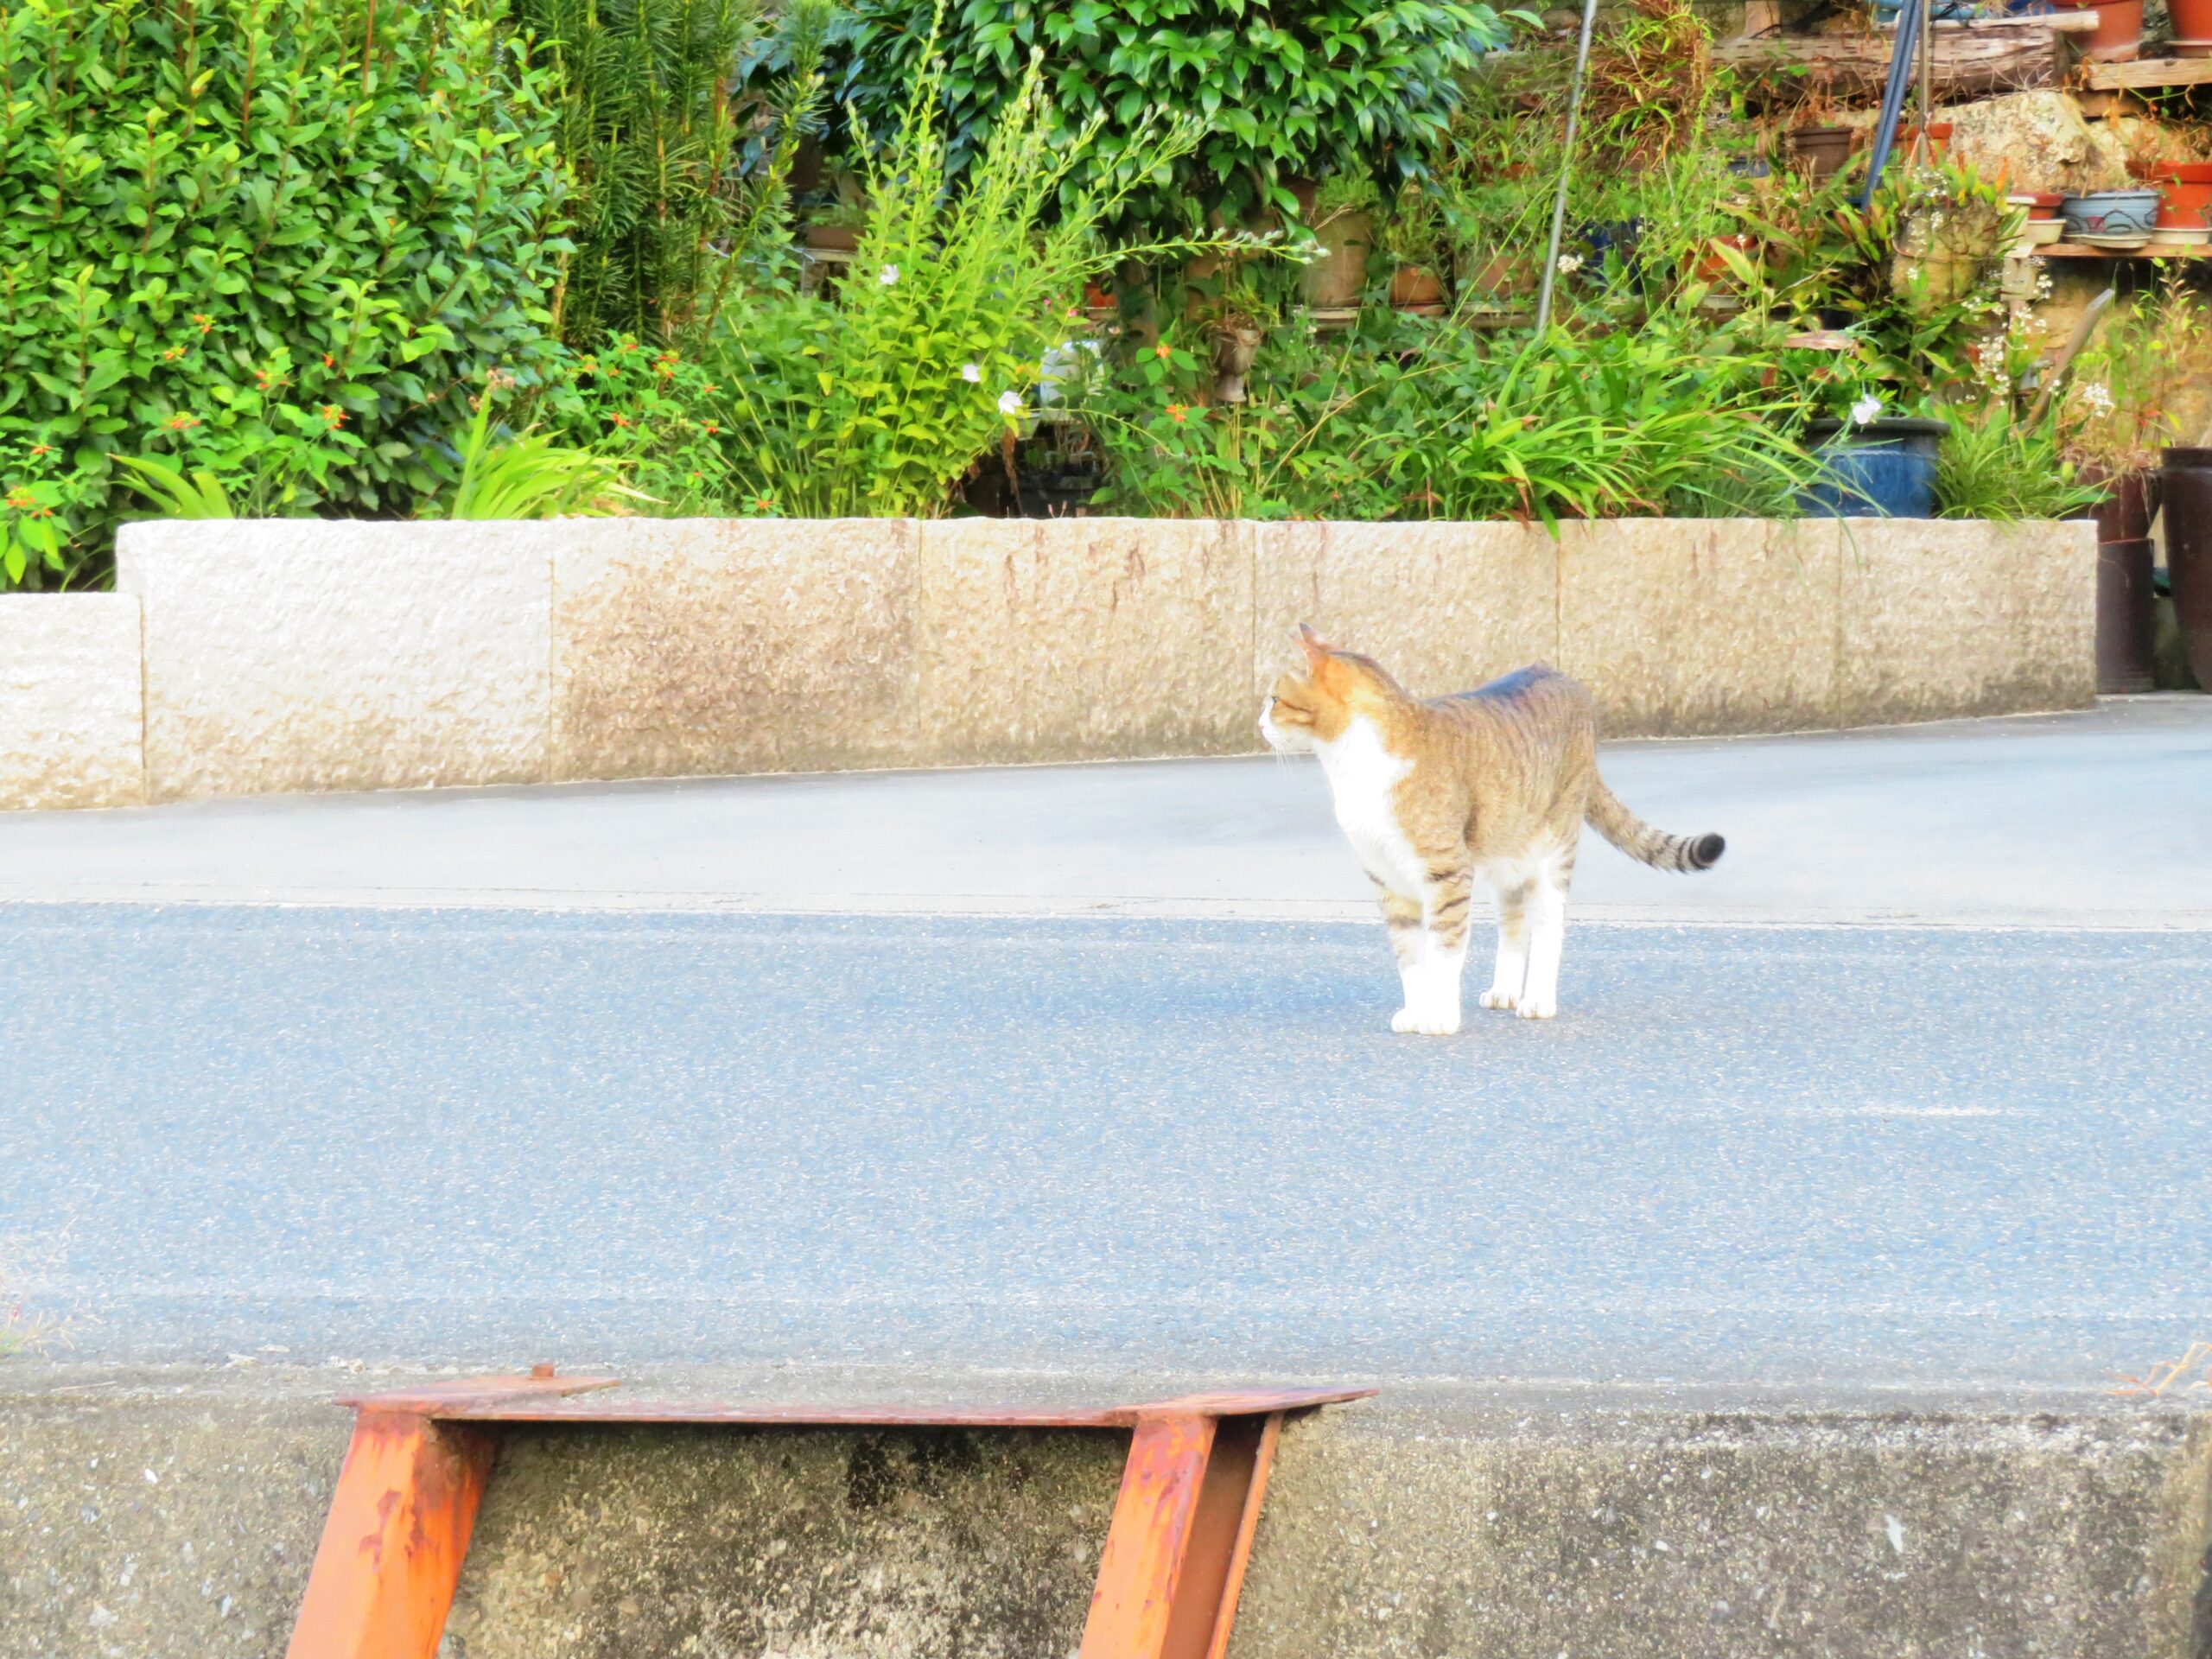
pixel 280 239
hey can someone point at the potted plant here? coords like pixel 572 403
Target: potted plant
pixel 2120 30
pixel 1412 240
pixel 2192 24
pixel 836 228
pixel 1344 222
pixel 2118 426
pixel 1235 320
pixel 1817 144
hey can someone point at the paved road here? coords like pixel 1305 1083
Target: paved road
pixel 1835 1155
pixel 1758 1153
pixel 2098 818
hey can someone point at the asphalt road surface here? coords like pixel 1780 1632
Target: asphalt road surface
pixel 1797 1146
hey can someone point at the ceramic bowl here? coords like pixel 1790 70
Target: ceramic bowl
pixel 2107 219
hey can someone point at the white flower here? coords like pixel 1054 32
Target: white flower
pixel 1009 402
pixel 1864 411
pixel 888 275
pixel 971 373
pixel 1569 264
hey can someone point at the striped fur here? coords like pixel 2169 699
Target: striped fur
pixel 1436 795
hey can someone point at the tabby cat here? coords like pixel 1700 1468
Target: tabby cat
pixel 1433 794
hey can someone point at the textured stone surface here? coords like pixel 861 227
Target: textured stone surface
pixel 1080 638
pixel 1635 1535
pixel 157 1523
pixel 1685 627
pixel 610 1544
pixel 167 1513
pixel 70 714
pixel 310 654
pixel 1443 607
pixel 717 645
pixel 1964 618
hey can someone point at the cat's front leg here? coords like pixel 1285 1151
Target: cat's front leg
pixel 1409 944
pixel 1433 999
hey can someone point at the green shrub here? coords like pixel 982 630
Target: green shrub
pixel 1670 419
pixel 262 238
pixel 665 210
pixel 1282 88
pixel 876 404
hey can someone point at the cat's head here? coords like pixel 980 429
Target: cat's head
pixel 1307 711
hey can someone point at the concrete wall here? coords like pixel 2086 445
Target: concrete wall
pixel 70 718
pixel 310 655
pixel 178 1514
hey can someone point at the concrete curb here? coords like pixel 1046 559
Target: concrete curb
pixel 302 655
pixel 141 1512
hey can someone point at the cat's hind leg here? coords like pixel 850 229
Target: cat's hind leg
pixel 1512 969
pixel 1546 937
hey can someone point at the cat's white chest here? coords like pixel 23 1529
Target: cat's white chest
pixel 1363 776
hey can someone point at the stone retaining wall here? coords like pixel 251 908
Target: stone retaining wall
pixel 312 655
pixel 178 1514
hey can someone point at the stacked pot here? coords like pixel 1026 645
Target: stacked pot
pixel 2125 615
pixel 2187 480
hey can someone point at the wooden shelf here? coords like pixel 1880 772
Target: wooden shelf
pixel 1975 59
pixel 2083 251
pixel 2146 73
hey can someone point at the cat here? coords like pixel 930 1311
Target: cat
pixel 1492 784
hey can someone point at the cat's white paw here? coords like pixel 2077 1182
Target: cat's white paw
pixel 1426 1022
pixel 1495 998
pixel 1538 1010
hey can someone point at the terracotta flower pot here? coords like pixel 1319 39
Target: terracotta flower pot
pixel 2192 19
pixel 833 238
pixel 1500 275
pixel 1416 288
pixel 1712 267
pixel 2120 30
pixel 2184 193
pixel 1939 140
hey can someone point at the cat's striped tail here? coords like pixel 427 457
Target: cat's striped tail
pixel 1641 841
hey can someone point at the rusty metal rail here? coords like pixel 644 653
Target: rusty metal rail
pixel 1169 1582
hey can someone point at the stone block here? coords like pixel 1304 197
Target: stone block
pixel 1944 618
pixel 1444 606
pixel 71 717
pixel 314 654
pixel 688 646
pixel 1684 626
pixel 1085 638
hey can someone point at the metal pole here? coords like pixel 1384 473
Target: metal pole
pixel 1923 147
pixel 1565 167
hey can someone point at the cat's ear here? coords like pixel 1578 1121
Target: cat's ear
pixel 1309 643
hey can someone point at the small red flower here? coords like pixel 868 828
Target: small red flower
pixel 173 354
pixel 1178 413
pixel 622 421
pixel 207 323
pixel 1163 351
pixel 22 500
pixel 328 361
pixel 181 422
pixel 42 449
pixel 332 416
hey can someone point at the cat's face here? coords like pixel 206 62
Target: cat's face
pixel 1307 710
